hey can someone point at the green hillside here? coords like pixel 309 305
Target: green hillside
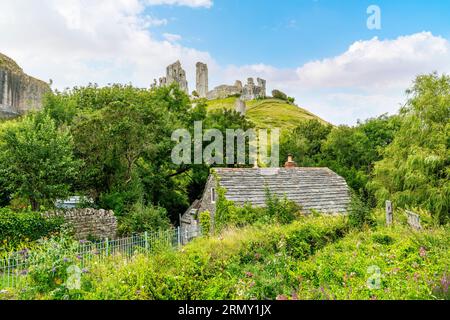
pixel 269 113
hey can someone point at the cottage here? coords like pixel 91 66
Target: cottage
pixel 318 189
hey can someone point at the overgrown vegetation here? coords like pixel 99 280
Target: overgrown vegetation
pixel 24 227
pixel 315 257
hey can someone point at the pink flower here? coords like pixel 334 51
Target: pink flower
pixel 249 274
pixel 422 252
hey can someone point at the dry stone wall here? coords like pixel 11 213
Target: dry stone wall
pixel 89 223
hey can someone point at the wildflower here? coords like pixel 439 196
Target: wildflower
pixel 58 281
pixel 53 269
pixel 295 296
pixel 252 284
pixel 24 272
pixel 395 270
pixel 257 256
pixel 422 252
pixel 79 257
pixel 444 283
pixel 66 260
pixel 249 274
pixel 85 270
pixel 282 297
pixel 83 241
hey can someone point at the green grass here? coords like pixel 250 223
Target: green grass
pixel 268 113
pixel 314 258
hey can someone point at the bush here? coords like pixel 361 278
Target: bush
pixel 17 227
pixel 281 210
pixel 54 269
pixel 360 214
pixel 144 218
pixel 277 210
pixel 277 94
pixel 205 222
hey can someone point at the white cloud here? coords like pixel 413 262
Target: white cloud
pixel 379 63
pixel 367 80
pixel 75 42
pixel 189 3
pixel 172 37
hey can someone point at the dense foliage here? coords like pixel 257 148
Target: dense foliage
pixel 415 169
pixel 27 226
pixel 36 160
pixel 312 258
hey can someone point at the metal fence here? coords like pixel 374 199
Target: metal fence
pixel 13 268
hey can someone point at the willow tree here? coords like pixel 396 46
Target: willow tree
pixel 415 169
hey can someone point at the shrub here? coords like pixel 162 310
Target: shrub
pixel 360 214
pixel 277 94
pixel 54 269
pixel 281 210
pixel 144 218
pixel 205 222
pixel 17 227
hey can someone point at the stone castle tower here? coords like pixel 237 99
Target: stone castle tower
pixel 202 79
pixel 175 73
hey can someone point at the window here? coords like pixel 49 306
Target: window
pixel 213 195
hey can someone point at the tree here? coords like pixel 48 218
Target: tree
pixel 37 160
pixel 305 142
pixel 415 169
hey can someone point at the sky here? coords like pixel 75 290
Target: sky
pixel 322 52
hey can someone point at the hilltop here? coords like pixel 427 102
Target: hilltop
pixel 268 113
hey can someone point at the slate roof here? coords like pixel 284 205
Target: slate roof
pixel 312 188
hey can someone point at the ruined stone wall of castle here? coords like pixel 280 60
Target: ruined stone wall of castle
pixel 89 223
pixel 18 92
pixel 176 74
pixel 202 80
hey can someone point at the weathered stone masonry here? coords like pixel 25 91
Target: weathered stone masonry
pixel 87 223
pixel 18 91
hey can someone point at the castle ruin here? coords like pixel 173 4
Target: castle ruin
pixel 18 91
pixel 202 79
pixel 176 74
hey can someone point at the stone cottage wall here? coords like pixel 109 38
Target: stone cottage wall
pixel 89 223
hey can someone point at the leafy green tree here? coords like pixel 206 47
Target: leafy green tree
pixel 305 142
pixel 37 160
pixel 415 169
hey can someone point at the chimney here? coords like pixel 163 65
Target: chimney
pixel 290 162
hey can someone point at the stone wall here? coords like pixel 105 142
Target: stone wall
pixel 18 91
pixel 252 91
pixel 202 79
pixel 176 74
pixel 224 91
pixel 89 223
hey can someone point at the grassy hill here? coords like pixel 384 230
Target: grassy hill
pixel 269 113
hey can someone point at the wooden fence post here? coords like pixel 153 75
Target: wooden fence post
pixel 414 220
pixel 389 213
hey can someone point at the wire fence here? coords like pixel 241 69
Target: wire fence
pixel 14 268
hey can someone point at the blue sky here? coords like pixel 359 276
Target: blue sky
pixel 287 33
pixel 318 51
